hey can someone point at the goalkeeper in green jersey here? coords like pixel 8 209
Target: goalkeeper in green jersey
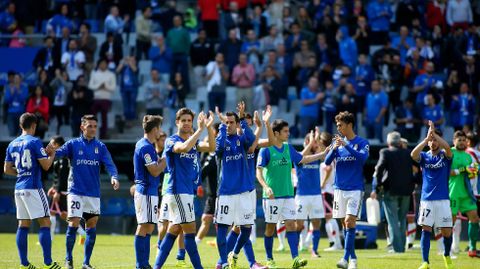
pixel 461 194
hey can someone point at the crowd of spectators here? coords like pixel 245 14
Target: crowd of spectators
pixel 403 61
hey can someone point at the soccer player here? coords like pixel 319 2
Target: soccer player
pixel 349 152
pixel 274 166
pixel 181 151
pixel 147 168
pixel 25 158
pixel 86 154
pixel 462 198
pixel 434 201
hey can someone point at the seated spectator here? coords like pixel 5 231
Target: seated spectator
pixel 143 26
pixel 272 60
pixel 128 75
pixel 217 77
pixel 202 51
pixel 230 49
pixel 462 108
pixel 424 84
pixel 329 105
pixel 61 86
pixel 310 97
pixel 403 42
pixel 347 99
pixel 59 21
pixel 111 50
pixel 73 61
pixel 301 57
pixel 115 24
pixel 459 14
pixel 80 99
pixel 156 94
pixel 432 112
pixel 386 49
pixel 209 10
pixel 251 47
pixel 379 13
pixel 408 119
pixel 44 82
pixel 271 41
pixel 103 84
pixel 375 109
pixel 287 19
pixel 8 22
pixel 88 44
pixel 18 38
pixel 38 104
pixel 243 77
pixel 161 57
pixel 347 47
pixel 45 58
pixel 16 95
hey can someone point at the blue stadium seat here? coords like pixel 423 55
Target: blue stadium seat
pixel 114 207
pixel 130 208
pixel 260 213
pixel 6 205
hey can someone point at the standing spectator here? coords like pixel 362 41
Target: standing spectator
pixel 408 119
pixel 88 44
pixel 435 14
pixel 128 71
pixel 362 36
pixel 393 177
pixel 111 50
pixel 292 43
pixel 8 22
pixel 156 94
pixel 403 43
pixel 202 51
pixel 16 95
pixel 232 20
pixel 103 84
pixel 326 57
pixel 61 89
pixel 217 77
pixel 230 49
pixel 272 90
pixel 243 77
pixel 38 104
pixel 462 108
pixel 375 109
pixel 311 98
pixel 178 40
pixel 73 61
pixel 161 57
pixel 329 105
pixel 433 112
pixel 61 44
pixel 251 47
pixel 45 58
pixel 459 14
pixel 258 21
pixel 165 18
pixel 143 26
pixel 364 76
pixel 80 100
pixel 379 14
pixel 59 21
pixel 347 47
pixel 209 10
pixel 470 74
pixel 395 84
pixel 271 41
pixel 179 92
pixel 115 24
pixel 423 84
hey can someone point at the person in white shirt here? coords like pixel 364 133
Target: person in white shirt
pixel 459 13
pixel 217 77
pixel 73 61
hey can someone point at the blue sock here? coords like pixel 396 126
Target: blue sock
pixel 22 244
pixel 315 239
pixel 146 257
pixel 268 243
pixel 45 240
pixel 181 254
pixel 242 239
pixel 447 242
pixel 248 250
pixel 70 241
pixel 232 238
pixel 222 230
pixel 89 243
pixel 425 244
pixel 165 247
pixel 292 238
pixel 139 243
pixel 191 247
pixel 349 243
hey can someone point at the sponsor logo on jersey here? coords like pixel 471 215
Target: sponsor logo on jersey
pixel 346 159
pixel 188 155
pixel 251 156
pixel 96 150
pixel 281 162
pixel 311 166
pixel 80 152
pixel 88 162
pixel 148 158
pixel 236 157
pixel 438 165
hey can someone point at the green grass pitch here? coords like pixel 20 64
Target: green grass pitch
pixel 118 252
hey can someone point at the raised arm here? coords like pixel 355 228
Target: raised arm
pixel 187 145
pixel 210 145
pixel 263 143
pixel 258 132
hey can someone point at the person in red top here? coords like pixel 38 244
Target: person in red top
pixel 209 15
pixel 436 15
pixel 243 77
pixel 38 104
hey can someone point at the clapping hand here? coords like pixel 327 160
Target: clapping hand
pixel 220 115
pixel 210 119
pixel 267 114
pixel 241 109
pixel 201 120
pixel 256 119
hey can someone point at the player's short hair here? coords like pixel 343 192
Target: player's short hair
pixel 58 139
pixel 27 120
pixel 216 126
pixel 248 116
pixel 326 138
pixel 88 117
pixel 345 117
pixel 184 111
pixel 278 125
pixel 438 132
pixel 458 134
pixel 473 137
pixel 233 114
pixel 150 122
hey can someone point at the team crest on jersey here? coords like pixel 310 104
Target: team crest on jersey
pixel 238 143
pixel 96 150
pixel 80 152
pixel 355 147
pixel 227 148
pixel 148 158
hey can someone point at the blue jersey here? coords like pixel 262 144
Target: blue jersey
pixel 308 176
pixel 24 152
pixel 235 177
pixel 182 167
pixel 251 167
pixel 349 161
pixel 435 173
pixel 144 156
pixel 85 159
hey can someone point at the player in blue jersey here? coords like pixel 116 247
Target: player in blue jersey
pixel 147 168
pixel 309 192
pixel 25 158
pixel 86 154
pixel 181 152
pixel 349 152
pixel 434 201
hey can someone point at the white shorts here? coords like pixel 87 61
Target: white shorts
pixel 31 204
pixel 78 205
pixel 435 213
pixel 146 208
pixel 180 208
pixel 238 209
pixel 163 212
pixel 309 207
pixel 347 203
pixel 279 209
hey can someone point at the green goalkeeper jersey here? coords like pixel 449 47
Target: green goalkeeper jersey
pixel 456 184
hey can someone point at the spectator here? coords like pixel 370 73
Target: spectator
pixel 408 120
pixel 288 19
pixel 271 89
pixel 364 76
pixel 438 46
pixel 435 14
pixel 433 112
pixel 114 24
pixel 103 84
pixel 128 74
pixel 292 43
pixel 16 95
pixel 471 45
pixel 38 104
pixel 326 57
pixel 111 51
pixel 80 99
pixel 396 82
pixel 347 47
pixel 232 20
pixel 210 16
pixel 379 15
pixel 243 77
pixel 165 18
pixel 304 20
pixel 462 108
pixel 452 87
pixel 61 86
pixel 251 47
pixel 217 77
pixel 258 21
pixel 386 49
pixel 178 40
pixel 88 44
pixel 8 85
pixel 230 49
pixel 407 12
pixel 459 14
pixel 424 84
pixel 190 19
pixel 8 22
pixel 470 74
pixel 61 45
pixel 161 57
pixel 156 94
pixel 44 82
pixel 403 43
pixel 424 49
pixel 393 177
pixel 301 57
pixel 271 41
pixel 45 58
pixel 18 39
pixel 329 105
pixel 275 13
pixel 310 97
pixel 414 66
pixel 59 21
pixel 362 36
pixel 308 70
pixel 375 109
pixel 202 51
pixel 143 26
pixel 73 61
pixel 178 92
